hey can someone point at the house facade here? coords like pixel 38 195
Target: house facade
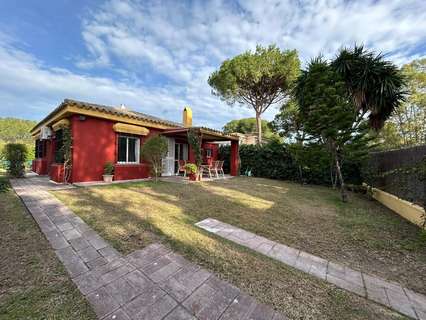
pixel 102 134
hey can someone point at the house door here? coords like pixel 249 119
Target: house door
pixel 169 160
pixel 181 153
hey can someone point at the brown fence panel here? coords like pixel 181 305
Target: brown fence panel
pixel 397 178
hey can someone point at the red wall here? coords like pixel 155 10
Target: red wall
pixel 40 166
pixel 94 144
pixel 215 152
pixel 205 145
pixel 131 171
pixel 56 172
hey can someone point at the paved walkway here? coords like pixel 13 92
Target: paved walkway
pixel 152 283
pixel 379 290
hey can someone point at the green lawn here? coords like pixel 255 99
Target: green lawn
pixel 362 234
pixel 33 283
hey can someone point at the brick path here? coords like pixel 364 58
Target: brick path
pixel 387 293
pixel 152 283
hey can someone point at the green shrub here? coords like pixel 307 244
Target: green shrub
pixel 16 155
pixel 191 168
pixel 276 160
pixel 4 184
pixel 154 150
pixel 109 169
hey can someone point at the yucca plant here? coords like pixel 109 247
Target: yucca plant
pixel 376 86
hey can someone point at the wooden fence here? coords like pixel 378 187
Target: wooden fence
pixel 397 174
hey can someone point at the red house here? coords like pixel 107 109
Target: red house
pixel 102 134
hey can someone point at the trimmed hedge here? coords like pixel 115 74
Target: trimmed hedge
pixel 16 155
pixel 276 160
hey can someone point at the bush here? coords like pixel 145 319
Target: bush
pixel 4 184
pixel 282 161
pixel 108 169
pixel 154 150
pixel 16 155
pixel 191 168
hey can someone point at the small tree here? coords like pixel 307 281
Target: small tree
pixel 154 150
pixel 16 155
pixel 256 79
pixel 326 112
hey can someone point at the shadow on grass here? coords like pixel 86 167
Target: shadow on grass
pixel 131 216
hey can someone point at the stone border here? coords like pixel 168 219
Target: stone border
pixel 153 283
pixel 387 293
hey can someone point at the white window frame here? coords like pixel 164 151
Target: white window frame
pixel 137 146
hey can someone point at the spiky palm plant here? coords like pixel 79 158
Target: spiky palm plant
pixel 375 85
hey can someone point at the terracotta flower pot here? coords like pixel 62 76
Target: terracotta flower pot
pixel 192 176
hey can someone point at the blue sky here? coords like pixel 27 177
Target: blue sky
pixel 156 56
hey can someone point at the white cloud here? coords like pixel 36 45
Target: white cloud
pixel 30 89
pixel 163 52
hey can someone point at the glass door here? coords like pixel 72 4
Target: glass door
pixel 181 153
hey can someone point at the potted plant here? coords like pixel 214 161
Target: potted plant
pixel 108 172
pixel 191 170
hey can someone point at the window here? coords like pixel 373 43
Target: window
pixel 59 153
pixel 208 153
pixel 39 149
pixel 128 149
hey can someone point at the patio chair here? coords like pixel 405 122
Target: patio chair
pixel 181 167
pixel 220 169
pixel 215 168
pixel 206 168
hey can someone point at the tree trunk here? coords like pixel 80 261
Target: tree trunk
pixel 342 183
pixel 259 128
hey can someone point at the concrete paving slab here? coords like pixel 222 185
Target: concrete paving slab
pixel 118 314
pixel 179 313
pixel 102 302
pixel 79 243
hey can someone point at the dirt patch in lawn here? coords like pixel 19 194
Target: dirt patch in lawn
pixel 33 283
pixel 131 216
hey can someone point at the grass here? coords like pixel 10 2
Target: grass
pixel 33 283
pixel 361 234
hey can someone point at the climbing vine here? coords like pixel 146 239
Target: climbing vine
pixel 194 141
pixel 66 151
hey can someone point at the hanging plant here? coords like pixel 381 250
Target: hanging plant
pixel 194 141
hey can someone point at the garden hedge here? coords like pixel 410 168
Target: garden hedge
pixel 281 161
